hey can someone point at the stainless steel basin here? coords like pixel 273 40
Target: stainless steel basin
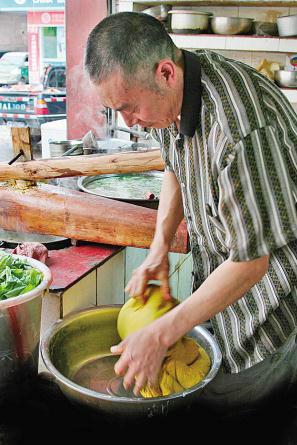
pixel 76 351
pixel 285 78
pixel 231 25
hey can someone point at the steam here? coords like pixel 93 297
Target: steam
pixel 88 112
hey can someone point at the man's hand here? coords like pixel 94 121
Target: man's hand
pixel 155 267
pixel 141 358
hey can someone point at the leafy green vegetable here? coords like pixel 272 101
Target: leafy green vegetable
pixel 17 277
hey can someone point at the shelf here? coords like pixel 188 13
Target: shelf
pixel 239 43
pixel 278 3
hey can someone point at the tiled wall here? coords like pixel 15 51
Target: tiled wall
pixel 259 13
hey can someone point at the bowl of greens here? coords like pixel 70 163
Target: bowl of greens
pixel 23 282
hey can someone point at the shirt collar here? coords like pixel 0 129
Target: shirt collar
pixel 191 106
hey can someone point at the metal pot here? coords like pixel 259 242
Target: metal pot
pixel 231 25
pixel 265 29
pixel 189 21
pixel 160 12
pixel 20 319
pixel 60 148
pixel 77 349
pixel 84 183
pixel 114 145
pixel 287 79
pixel 287 25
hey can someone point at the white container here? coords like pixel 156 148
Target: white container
pixel 287 25
pixel 52 131
pixel 189 21
pixel 20 320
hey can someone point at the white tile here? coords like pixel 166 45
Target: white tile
pixel 291 95
pixel 188 41
pixel 81 295
pixel 262 14
pixel 288 45
pixel 50 313
pixel 292 11
pixel 123 6
pixel 134 257
pixel 258 57
pixel 185 278
pixel 217 11
pixel 110 280
pixel 252 43
pixel 174 262
pixel 51 310
pixel 241 56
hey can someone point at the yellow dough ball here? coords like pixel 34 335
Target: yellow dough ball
pixel 186 363
pixel 135 314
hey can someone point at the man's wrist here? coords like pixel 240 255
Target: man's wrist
pixel 160 245
pixel 168 335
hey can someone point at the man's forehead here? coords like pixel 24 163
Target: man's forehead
pixel 114 94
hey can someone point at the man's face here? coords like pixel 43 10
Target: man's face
pixel 137 104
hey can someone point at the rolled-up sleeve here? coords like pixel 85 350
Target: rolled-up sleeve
pixel 257 194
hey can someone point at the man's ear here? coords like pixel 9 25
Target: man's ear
pixel 166 73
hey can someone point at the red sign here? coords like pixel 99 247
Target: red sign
pixel 45 18
pixel 36 20
pixel 34 54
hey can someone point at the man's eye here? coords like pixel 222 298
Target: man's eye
pixel 103 110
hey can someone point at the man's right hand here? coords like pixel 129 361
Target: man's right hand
pixel 155 267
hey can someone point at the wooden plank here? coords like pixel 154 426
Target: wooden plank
pixel 89 165
pixel 53 210
pixel 21 140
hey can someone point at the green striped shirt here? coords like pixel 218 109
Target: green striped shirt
pixel 235 158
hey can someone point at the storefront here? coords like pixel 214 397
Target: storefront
pixel 45 30
pixel 46 42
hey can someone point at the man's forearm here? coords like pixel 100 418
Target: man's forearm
pixel 170 212
pixel 229 282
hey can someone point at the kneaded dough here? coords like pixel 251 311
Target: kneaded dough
pixel 186 363
pixel 135 315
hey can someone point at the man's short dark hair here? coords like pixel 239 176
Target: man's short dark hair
pixel 130 41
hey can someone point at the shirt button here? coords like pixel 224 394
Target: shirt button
pixel 183 184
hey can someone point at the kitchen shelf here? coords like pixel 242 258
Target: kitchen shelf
pixel 237 43
pixel 278 3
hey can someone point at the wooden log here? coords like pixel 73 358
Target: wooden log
pixel 57 211
pixel 129 162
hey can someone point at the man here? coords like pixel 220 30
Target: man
pixel 228 138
